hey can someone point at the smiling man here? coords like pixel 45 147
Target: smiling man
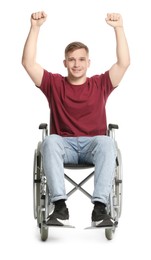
pixel 77 62
pixel 78 118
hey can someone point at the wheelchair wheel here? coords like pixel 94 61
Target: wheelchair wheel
pixel 36 181
pixel 119 183
pixel 44 233
pixel 42 226
pixel 109 232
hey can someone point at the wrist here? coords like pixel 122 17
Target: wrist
pixel 120 27
pixel 35 27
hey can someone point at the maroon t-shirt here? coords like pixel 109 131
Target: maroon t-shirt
pixel 77 110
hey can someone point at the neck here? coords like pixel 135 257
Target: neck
pixel 76 81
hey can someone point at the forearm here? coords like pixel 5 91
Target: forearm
pixel 122 50
pixel 29 52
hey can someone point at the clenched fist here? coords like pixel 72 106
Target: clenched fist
pixel 38 18
pixel 114 19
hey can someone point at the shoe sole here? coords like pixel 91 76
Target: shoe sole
pixel 57 222
pixel 103 223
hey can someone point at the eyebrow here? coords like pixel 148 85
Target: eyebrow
pixel 70 58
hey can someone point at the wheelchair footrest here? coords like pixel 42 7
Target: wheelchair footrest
pixel 104 224
pixel 55 225
pixel 58 224
pixel 94 226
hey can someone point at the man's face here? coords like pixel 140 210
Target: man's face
pixel 77 63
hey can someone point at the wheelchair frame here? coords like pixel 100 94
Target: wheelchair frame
pixel 41 193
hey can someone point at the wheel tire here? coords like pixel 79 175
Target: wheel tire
pixel 120 189
pixel 36 185
pixel 35 204
pixel 44 233
pixel 109 233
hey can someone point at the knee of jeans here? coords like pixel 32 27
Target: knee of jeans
pixel 106 144
pixel 51 142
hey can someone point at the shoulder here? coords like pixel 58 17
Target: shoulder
pixel 50 75
pixel 51 82
pixel 101 78
pixel 50 78
pixel 102 82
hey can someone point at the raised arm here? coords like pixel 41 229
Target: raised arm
pixel 34 70
pixel 118 69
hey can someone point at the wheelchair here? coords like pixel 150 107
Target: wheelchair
pixel 41 198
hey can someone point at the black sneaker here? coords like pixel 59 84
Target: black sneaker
pixel 100 218
pixel 60 215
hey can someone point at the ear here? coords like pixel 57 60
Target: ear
pixel 89 63
pixel 65 64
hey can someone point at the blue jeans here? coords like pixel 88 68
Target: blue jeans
pixel 99 150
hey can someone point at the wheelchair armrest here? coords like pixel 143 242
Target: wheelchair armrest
pixel 112 126
pixel 43 126
pixel 111 130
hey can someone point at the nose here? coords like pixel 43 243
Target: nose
pixel 76 63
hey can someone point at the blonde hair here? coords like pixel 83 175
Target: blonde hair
pixel 75 46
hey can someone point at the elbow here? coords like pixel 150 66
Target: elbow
pixel 26 64
pixel 23 62
pixel 125 64
pixel 128 63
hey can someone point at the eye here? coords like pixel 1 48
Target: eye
pixel 71 59
pixel 82 59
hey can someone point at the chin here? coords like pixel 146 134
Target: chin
pixel 77 75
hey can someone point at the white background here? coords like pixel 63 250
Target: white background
pixel 23 107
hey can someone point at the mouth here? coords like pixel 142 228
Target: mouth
pixel 76 70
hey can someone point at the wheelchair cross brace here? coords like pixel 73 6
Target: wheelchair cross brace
pixel 78 185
